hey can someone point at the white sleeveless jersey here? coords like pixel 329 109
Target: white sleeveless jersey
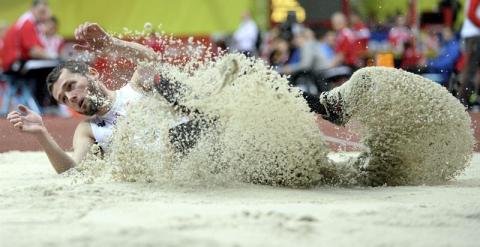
pixel 102 126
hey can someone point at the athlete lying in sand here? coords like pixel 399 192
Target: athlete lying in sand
pixel 78 86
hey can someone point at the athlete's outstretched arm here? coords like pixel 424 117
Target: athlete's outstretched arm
pixel 27 121
pixel 91 37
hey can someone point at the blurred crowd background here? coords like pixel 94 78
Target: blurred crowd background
pixel 318 44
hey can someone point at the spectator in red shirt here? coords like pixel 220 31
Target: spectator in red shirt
pixel 345 43
pixel 361 32
pixel 400 34
pixel 411 59
pixel 22 40
pixel 3 29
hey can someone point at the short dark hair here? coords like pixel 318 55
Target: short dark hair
pixel 54 19
pixel 38 2
pixel 72 66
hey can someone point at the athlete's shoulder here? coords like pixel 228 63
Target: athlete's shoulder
pixel 84 129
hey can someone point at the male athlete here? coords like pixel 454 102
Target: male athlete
pixel 77 85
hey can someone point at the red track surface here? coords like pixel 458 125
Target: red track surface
pixel 62 130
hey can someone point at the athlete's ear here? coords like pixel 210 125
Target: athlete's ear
pixel 93 72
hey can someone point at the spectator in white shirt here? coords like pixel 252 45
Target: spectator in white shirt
pixel 245 38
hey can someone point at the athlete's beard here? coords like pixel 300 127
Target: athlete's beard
pixel 96 98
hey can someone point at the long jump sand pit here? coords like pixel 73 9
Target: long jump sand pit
pixel 40 208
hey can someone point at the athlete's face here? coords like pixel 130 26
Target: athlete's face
pixel 81 93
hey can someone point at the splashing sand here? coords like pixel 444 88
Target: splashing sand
pixel 253 127
pixel 256 128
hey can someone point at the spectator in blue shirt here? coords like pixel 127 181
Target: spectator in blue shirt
pixel 444 63
pixel 326 46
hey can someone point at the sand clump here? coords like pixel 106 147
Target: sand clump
pixel 417 132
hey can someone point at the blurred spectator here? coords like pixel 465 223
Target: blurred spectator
pixel 411 59
pixel 246 36
pixel 22 40
pixel 219 40
pixel 429 41
pixel 471 35
pixel 25 56
pixel 449 10
pixel 268 42
pixel 361 33
pixel 444 63
pixel 289 27
pixel 327 46
pixel 400 34
pixel 310 57
pixel 52 42
pixel 344 43
pixel 279 53
pixel 3 29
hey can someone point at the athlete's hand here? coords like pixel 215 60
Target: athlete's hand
pixel 26 120
pixel 91 37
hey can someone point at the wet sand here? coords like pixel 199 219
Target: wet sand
pixel 40 208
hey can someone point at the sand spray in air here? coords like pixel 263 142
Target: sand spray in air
pixel 256 128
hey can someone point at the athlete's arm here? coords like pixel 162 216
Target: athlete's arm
pixel 132 50
pixel 91 37
pixel 27 121
pixel 143 79
pixel 82 141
